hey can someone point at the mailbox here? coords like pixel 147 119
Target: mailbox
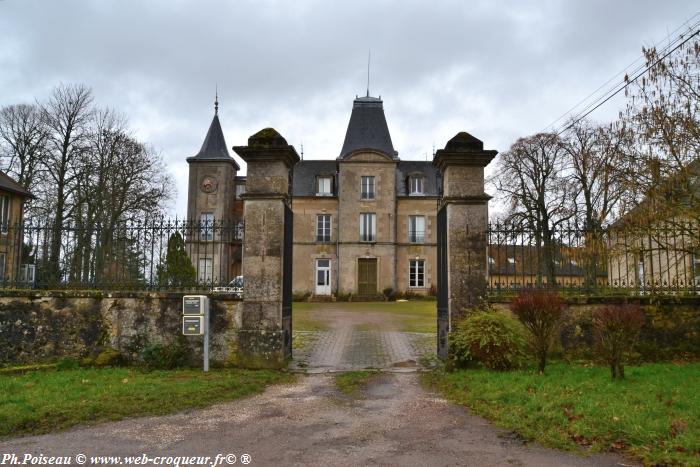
pixel 193 325
pixel 195 321
pixel 194 304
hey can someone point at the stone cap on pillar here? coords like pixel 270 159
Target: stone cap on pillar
pixel 463 149
pixel 267 145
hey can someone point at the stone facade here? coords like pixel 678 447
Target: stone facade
pixel 332 201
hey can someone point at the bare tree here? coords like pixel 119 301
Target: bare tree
pixel 532 179
pixel 664 112
pixel 23 140
pixel 125 182
pixel 595 157
pixel 67 115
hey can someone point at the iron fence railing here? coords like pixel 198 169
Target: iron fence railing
pixel 663 258
pixel 147 254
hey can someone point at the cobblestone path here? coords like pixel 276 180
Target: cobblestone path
pixel 347 349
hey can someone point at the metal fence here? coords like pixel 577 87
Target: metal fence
pixel 662 259
pixel 149 254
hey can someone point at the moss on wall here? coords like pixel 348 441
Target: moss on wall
pixel 44 326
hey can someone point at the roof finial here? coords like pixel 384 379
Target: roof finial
pixel 216 101
pixel 369 57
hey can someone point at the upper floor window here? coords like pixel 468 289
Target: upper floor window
pixel 367 187
pixel 206 226
pixel 240 189
pixel 323 228
pixel 415 185
pixel 324 186
pixel 368 227
pixel 4 213
pixel 416 229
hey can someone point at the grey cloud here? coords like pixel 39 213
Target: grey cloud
pixel 497 69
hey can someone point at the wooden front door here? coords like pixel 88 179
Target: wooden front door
pixel 367 276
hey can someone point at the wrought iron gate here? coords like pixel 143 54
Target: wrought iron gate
pixel 287 281
pixel 443 313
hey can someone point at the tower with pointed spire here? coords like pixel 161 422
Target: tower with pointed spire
pixel 212 203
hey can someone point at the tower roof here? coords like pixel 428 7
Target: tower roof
pixel 367 129
pixel 214 146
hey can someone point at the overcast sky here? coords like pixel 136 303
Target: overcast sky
pixel 499 70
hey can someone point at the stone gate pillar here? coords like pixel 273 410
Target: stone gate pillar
pixel 264 332
pixel 465 204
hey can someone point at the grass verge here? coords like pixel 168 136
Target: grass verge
pixel 653 415
pixel 44 401
pixel 352 383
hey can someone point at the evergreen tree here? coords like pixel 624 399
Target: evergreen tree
pixel 177 269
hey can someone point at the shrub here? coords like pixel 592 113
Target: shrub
pixel 491 339
pixel 616 329
pixel 433 290
pixel 540 313
pixel 300 296
pixel 166 357
pixel 389 294
pixel 108 357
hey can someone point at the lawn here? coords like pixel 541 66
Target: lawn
pixel 411 316
pixel 653 415
pixel 43 401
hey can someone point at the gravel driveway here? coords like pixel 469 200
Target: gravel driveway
pixel 310 423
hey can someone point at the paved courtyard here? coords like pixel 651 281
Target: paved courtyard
pixel 364 338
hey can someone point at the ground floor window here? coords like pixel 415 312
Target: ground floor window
pixel 416 273
pixel 205 270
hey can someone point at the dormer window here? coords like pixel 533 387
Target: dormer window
pixel 324 186
pixel 415 185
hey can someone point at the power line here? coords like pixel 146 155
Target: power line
pixel 626 72
pixel 627 83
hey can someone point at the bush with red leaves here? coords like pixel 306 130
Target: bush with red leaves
pixel 540 313
pixel 616 330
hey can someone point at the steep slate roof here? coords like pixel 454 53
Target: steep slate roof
pixel 214 146
pixel 8 184
pixel 431 181
pixel 305 173
pixel 367 128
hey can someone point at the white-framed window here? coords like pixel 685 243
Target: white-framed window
pixel 415 185
pixel 240 189
pixel 206 226
pixel 323 228
pixel 4 213
pixel 205 270
pixel 416 229
pixel 324 186
pixel 368 227
pixel 416 273
pixel 367 187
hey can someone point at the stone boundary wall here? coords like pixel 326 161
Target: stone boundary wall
pixel 40 326
pixel 671 329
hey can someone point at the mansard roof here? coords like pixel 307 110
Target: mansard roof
pixel 367 129
pixel 214 146
pixel 305 173
pixel 432 181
